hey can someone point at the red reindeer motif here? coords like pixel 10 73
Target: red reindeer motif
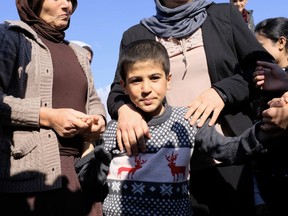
pixel 131 170
pixel 175 170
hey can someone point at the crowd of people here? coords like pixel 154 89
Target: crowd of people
pixel 193 132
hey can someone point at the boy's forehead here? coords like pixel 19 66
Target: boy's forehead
pixel 146 63
pixel 145 67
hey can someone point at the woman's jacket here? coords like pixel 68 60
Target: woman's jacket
pixel 231 51
pixel 29 154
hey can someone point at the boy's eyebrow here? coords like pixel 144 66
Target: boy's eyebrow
pixel 134 77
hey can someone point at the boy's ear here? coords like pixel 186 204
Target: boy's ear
pixel 122 83
pixel 169 80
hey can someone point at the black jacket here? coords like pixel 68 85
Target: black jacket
pixel 231 51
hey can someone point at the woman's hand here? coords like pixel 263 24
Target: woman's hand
pixel 132 130
pixel 66 122
pixel 205 104
pixel 96 128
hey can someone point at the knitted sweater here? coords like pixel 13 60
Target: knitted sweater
pixel 156 182
pixel 29 154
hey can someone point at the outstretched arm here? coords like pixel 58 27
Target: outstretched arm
pixel 232 150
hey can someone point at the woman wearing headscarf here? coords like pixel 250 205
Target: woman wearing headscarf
pixel 210 49
pixel 49 109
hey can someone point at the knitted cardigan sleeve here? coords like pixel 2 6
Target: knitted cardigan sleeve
pixel 13 61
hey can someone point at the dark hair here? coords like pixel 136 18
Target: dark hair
pixel 74 4
pixel 143 50
pixel 273 28
pixel 89 50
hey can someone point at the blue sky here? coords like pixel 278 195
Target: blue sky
pixel 101 24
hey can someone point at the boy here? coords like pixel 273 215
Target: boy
pixel 156 182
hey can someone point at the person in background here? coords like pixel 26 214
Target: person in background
pixel 156 182
pixel 270 171
pixel 247 14
pixel 87 47
pixel 48 108
pixel 272 33
pixel 210 48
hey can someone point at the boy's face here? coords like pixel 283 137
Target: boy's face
pixel 146 85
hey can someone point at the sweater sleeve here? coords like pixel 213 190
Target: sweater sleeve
pixel 14 109
pixel 230 150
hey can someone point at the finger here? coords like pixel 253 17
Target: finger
pixel 260 84
pixel 269 127
pixel 141 143
pixel 96 119
pixel 77 122
pixel 87 120
pixel 70 133
pixel 192 107
pixel 273 100
pixel 197 114
pixel 142 134
pixel 258 68
pixel 265 64
pixel 277 103
pixel 119 140
pixel 132 142
pixel 129 142
pixel 146 130
pixel 285 95
pixel 259 78
pixel 215 116
pixel 204 117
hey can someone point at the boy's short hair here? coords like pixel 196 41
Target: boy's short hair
pixel 143 50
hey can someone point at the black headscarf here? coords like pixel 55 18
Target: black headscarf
pixel 28 11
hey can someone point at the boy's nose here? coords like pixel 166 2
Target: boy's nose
pixel 146 87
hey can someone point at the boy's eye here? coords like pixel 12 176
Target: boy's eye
pixel 155 78
pixel 134 81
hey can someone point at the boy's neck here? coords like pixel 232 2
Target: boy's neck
pixel 149 116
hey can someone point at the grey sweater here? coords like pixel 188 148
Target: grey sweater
pixel 156 182
pixel 29 154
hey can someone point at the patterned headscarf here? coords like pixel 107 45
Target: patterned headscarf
pixel 28 11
